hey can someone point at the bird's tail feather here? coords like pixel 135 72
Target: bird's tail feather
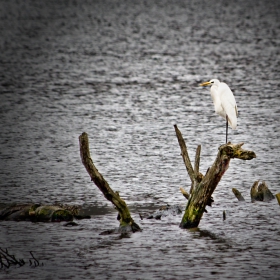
pixel 232 123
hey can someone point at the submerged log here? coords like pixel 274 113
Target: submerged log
pixel 51 214
pixel 39 213
pixel 18 212
pixel 125 220
pixel 204 186
pixel 238 194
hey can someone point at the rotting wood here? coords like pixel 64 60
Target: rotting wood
pixel 184 193
pixel 198 176
pixel 197 160
pixel 187 196
pixel 185 155
pixel 238 194
pixel 41 213
pixel 278 197
pixel 126 220
pixel 261 192
pixel 254 192
pixel 203 190
pixel 266 193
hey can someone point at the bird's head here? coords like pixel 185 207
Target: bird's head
pixel 211 82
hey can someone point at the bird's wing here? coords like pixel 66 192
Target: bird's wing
pixel 227 96
pixel 229 104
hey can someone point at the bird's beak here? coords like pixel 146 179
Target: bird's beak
pixel 205 84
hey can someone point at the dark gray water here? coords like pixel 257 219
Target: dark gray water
pixel 125 72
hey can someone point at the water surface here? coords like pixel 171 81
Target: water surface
pixel 126 72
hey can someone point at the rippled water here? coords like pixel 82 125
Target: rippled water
pixel 125 72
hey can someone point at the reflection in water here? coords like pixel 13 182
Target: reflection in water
pixel 126 73
pixel 213 236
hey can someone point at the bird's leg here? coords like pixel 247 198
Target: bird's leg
pixel 226 127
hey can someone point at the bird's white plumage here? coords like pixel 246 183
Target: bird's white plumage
pixel 224 101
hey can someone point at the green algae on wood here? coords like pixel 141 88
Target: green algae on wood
pixel 50 213
pixel 204 186
pixel 35 213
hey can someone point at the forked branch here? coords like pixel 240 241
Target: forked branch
pixel 204 186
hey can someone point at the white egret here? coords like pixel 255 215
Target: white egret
pixel 224 102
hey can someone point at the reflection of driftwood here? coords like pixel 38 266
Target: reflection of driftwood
pixel 204 186
pixel 125 218
pixel 260 192
pixel 237 194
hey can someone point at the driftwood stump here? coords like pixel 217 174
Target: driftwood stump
pixel 261 192
pixel 125 219
pixel 203 186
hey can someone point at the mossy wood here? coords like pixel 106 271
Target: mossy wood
pixel 261 192
pixel 35 213
pixel 204 186
pixel 101 183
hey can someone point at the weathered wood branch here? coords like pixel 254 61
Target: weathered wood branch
pixel 238 194
pixel 101 183
pixel 278 197
pixel 197 160
pixel 203 190
pixel 198 176
pixel 40 213
pixel 185 155
pixel 184 193
pixel 259 192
